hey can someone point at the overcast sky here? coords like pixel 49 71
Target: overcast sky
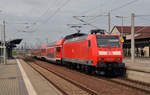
pixel 52 16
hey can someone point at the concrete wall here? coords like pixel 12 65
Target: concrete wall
pixel 146 51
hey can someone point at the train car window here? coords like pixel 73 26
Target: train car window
pixel 58 49
pixel 52 55
pixel 89 43
pixel 43 50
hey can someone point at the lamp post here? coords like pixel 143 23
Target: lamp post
pixel 4 39
pixel 122 18
pixel 1 46
pixel 121 35
pixel 4 42
pixel 132 38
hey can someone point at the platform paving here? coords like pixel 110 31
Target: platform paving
pixel 141 64
pixel 11 82
pixel 140 70
pixel 40 84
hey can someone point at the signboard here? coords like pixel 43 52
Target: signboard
pixel 122 40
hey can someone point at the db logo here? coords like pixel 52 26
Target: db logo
pixel 109 52
pixel 72 50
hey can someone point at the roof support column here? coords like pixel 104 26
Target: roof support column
pixel 132 38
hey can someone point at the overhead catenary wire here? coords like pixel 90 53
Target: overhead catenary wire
pixel 45 12
pixel 148 20
pixel 55 12
pixel 85 22
pixel 93 9
pixel 119 7
pixel 13 25
pixel 37 20
pixel 124 5
pixel 115 9
pixel 112 10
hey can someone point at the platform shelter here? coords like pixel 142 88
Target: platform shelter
pixel 9 47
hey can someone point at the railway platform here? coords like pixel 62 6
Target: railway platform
pixel 18 78
pixel 139 70
pixel 141 64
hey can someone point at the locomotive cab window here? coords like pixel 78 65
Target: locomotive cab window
pixel 108 41
pixel 58 49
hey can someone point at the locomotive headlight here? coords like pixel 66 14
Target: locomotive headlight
pixel 102 53
pixel 100 59
pixel 116 53
pixel 118 59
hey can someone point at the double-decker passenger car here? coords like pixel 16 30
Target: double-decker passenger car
pixel 43 51
pixel 36 52
pixel 54 51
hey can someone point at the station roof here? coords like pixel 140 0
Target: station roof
pixel 142 31
pixel 13 42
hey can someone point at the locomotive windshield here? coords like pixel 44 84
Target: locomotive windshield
pixel 108 41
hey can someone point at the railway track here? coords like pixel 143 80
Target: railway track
pixel 63 84
pixel 123 81
pixel 137 85
pixel 113 86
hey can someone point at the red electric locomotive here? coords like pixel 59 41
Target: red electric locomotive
pixel 94 52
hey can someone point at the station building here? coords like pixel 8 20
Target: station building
pixel 142 39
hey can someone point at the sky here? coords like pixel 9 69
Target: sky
pixel 42 21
